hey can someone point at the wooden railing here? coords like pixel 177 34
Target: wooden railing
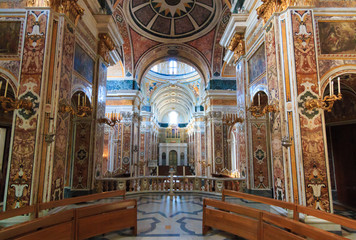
pixel 257 224
pixel 34 210
pixel 296 208
pixel 78 223
pixel 162 184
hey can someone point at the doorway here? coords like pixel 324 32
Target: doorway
pixel 173 158
pixel 341 140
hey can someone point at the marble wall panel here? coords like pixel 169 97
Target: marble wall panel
pixel 81 155
pixel 100 113
pixel 275 119
pixel 63 119
pixel 260 155
pixel 22 159
pixel 218 147
pixel 312 139
pixel 126 151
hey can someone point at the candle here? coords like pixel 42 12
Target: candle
pixel 83 100
pixel 330 86
pixel 78 99
pixel 259 99
pixel 7 83
pixel 338 85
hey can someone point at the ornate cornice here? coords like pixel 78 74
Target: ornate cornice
pixel 70 8
pixel 269 7
pixel 237 46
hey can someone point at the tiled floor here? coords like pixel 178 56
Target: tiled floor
pixel 160 217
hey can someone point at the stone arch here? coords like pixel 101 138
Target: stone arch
pixel 183 53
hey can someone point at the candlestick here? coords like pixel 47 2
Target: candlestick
pixel 7 84
pixel 338 85
pixel 330 86
pixel 83 100
pixel 259 99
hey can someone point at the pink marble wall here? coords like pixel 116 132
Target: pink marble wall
pixel 63 119
pixel 275 96
pixel 312 139
pixel 24 138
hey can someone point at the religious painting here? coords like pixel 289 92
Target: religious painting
pixel 10 37
pixel 337 37
pixel 84 64
pixel 257 64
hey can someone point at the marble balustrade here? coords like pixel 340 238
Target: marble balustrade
pixel 162 184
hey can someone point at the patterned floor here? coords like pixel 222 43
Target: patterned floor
pixel 160 217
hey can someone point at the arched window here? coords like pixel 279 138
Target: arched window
pixel 173 67
pixel 173 118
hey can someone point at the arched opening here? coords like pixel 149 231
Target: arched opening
pixel 6 119
pixel 341 131
pixel 164 159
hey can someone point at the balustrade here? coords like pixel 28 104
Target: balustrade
pixel 162 184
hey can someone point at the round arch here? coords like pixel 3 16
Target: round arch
pixel 180 52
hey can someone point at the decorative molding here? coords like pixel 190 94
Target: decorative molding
pixel 269 7
pixel 70 8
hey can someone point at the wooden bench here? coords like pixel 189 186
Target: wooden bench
pixel 79 223
pixel 296 208
pixel 257 224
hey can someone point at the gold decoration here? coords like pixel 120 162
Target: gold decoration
pixel 268 7
pixel 231 119
pixel 70 8
pixel 327 102
pixel 106 45
pixel 237 45
pixel 111 120
pixel 258 111
pixel 9 104
pixel 82 111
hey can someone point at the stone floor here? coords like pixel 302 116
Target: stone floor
pixel 161 217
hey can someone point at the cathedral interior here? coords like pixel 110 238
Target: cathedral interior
pixel 186 97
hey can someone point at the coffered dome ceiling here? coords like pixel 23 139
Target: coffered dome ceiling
pixel 172 20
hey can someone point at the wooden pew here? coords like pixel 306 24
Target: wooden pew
pixel 59 226
pixel 75 223
pixel 104 218
pixel 347 222
pixel 256 224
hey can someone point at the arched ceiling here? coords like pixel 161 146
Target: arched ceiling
pixel 172 92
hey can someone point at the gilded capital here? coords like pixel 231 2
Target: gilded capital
pixel 106 44
pixel 237 45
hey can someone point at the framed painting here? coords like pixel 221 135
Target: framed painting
pixel 257 64
pixel 337 37
pixel 84 64
pixel 10 37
